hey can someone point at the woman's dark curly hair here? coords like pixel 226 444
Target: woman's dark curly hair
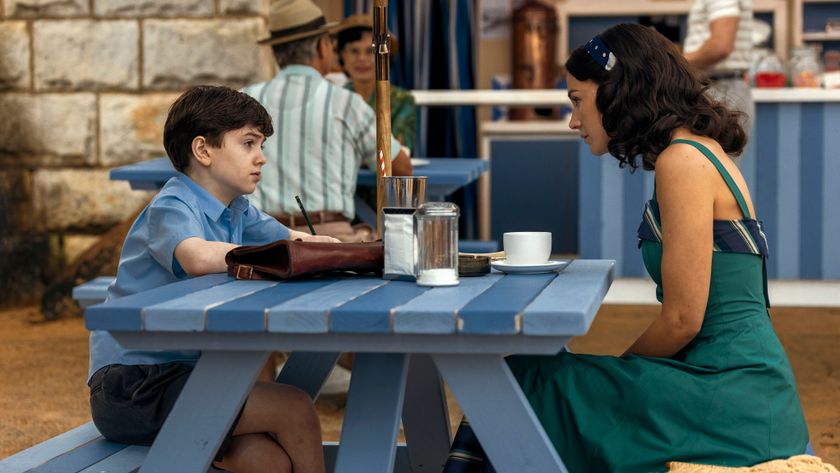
pixel 650 92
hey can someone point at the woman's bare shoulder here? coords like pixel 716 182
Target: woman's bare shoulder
pixel 682 159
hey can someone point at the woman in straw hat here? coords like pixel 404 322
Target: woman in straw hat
pixel 356 57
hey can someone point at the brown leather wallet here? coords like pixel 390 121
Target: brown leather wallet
pixel 285 259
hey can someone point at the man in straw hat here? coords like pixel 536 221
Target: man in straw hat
pixel 324 132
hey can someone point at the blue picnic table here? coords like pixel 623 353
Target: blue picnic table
pixel 445 176
pixel 406 337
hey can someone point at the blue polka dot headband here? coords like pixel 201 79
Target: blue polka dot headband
pixel 600 52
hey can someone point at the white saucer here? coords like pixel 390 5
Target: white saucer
pixel 418 162
pixel 547 267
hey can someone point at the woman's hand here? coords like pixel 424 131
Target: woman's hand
pixel 296 235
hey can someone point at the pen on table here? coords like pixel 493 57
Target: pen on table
pixel 305 216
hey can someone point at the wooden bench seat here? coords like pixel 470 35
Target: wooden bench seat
pixel 93 291
pixel 81 450
pixel 84 450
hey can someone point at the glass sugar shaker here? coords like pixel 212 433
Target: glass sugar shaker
pixel 436 237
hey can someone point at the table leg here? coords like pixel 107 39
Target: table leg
pixel 499 413
pixel 204 412
pixel 372 416
pixel 425 416
pixel 308 370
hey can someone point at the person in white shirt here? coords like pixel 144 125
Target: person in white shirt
pixel 719 44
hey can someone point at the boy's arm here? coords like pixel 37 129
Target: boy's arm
pixel 199 257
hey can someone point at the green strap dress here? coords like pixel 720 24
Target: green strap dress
pixel 727 398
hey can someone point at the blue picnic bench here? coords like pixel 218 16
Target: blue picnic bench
pixel 408 340
pixel 83 450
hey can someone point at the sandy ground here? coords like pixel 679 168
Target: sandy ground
pixel 44 365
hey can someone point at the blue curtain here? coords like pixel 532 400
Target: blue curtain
pixel 447 28
pixel 436 40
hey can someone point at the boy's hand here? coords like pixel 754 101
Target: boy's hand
pixel 322 239
pixel 296 235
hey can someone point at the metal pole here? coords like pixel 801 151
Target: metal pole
pixel 382 50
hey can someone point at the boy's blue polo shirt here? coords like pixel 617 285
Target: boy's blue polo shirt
pixel 182 209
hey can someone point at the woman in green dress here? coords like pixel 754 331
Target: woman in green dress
pixel 708 381
pixel 355 53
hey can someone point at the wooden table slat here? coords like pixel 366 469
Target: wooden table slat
pixel 497 310
pixel 125 313
pixel 569 304
pixel 189 313
pixel 247 314
pixel 310 313
pixel 436 311
pixel 371 313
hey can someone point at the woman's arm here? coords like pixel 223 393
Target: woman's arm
pixel 685 193
pixel 403 116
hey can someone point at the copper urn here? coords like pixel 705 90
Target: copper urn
pixel 534 54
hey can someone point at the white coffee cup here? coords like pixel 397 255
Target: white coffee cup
pixel 524 248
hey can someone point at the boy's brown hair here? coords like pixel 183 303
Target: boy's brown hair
pixel 209 111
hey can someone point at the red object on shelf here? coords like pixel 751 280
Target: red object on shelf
pixel 770 79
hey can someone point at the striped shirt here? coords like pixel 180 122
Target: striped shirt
pixel 323 134
pixel 703 12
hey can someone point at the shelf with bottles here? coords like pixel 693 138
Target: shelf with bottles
pixel 579 20
pixel 819 36
pixel 804 70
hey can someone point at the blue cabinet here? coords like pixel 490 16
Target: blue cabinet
pixel 534 187
pixel 791 166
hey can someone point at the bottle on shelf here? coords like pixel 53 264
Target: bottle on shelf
pixel 805 67
pixel 769 71
pixel 831 61
pixel 756 55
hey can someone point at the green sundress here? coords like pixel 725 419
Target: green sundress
pixel 727 398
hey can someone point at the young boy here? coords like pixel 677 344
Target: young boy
pixel 214 137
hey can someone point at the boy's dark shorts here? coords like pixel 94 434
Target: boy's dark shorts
pixel 129 403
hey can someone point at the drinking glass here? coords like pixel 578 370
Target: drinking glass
pixel 404 191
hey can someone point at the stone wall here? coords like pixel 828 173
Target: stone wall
pixel 85 86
